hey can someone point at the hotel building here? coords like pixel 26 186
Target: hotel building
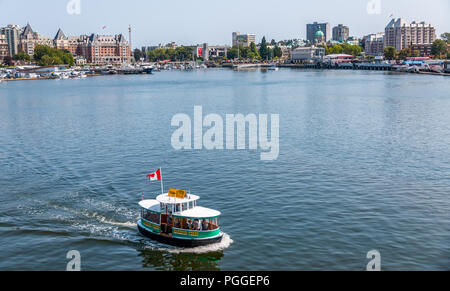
pixel 401 35
pixel 95 49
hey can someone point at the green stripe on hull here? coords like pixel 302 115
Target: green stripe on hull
pixel 153 227
pixel 192 234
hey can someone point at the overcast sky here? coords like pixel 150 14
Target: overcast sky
pixel 213 21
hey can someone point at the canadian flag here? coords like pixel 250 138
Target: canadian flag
pixel 156 176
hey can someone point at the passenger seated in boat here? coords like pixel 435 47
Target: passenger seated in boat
pixel 205 225
pixel 196 225
pixel 189 224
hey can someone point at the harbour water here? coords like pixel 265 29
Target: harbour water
pixel 364 164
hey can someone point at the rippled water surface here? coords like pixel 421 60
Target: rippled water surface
pixel 364 165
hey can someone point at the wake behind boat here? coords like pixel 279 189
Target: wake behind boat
pixel 174 218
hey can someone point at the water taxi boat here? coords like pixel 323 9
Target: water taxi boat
pixel 174 218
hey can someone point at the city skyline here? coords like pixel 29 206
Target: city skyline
pixel 155 23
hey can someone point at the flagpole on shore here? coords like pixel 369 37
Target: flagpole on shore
pixel 162 187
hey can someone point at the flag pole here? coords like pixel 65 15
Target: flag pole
pixel 162 187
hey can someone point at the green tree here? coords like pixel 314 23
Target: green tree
pixel 390 53
pixel 183 53
pixel 160 54
pixel 47 56
pixel 8 61
pixel 439 48
pixel 263 50
pixel 446 37
pixel 277 52
pixel 254 50
pixel 232 53
pixel 243 51
pixel 404 53
pixel 138 54
pixel 22 56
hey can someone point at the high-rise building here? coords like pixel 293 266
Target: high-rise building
pixel 374 44
pixel 400 34
pixel 243 39
pixel 341 33
pixel 12 35
pixel 4 48
pixel 313 28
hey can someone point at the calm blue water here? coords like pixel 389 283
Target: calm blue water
pixel 364 165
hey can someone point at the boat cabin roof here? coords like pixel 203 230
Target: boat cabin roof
pixel 198 212
pixel 165 198
pixel 151 205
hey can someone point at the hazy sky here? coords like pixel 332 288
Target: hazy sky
pixel 213 21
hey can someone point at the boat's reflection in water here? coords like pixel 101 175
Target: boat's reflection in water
pixel 180 261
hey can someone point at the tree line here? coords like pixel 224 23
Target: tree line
pixel 46 56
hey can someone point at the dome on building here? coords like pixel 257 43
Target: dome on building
pixel 319 33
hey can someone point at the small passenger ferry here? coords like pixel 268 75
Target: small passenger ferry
pixel 174 218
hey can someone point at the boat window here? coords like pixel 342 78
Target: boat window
pixel 205 224
pixel 196 225
pixel 151 216
pixel 177 222
pixel 163 208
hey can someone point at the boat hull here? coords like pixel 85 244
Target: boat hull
pixel 178 241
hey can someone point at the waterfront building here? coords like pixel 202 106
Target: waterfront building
pixel 28 40
pixel 60 41
pixel 285 52
pixel 307 54
pixel 207 52
pixel 423 49
pixel 106 49
pixel 401 35
pixel 244 40
pixel 95 49
pixel 338 58
pixel 341 33
pixel 171 45
pixel 4 48
pixel 312 28
pixel 374 44
pixel 319 37
pixel 12 34
pixel 352 40
pixel 146 49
